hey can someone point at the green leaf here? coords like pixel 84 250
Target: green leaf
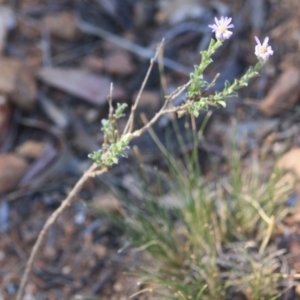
pixel 120 109
pixel 227 84
pixel 222 103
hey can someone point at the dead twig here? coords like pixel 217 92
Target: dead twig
pixel 91 172
pixel 164 110
pixel 128 45
pixel 129 125
pixel 50 221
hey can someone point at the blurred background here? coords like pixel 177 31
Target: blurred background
pixel 57 60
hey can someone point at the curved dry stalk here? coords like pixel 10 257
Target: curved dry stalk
pixel 164 110
pixel 92 172
pixel 129 125
pixel 50 221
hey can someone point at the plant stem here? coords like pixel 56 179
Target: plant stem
pixel 50 221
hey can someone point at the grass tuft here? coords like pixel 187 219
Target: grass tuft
pixel 209 240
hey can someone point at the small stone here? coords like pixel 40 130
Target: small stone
pixel 100 251
pixel 119 63
pixel 62 25
pixel 17 83
pixel 12 168
pixel 31 149
pixel 118 287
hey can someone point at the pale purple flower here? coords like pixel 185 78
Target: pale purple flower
pixel 263 51
pixel 221 28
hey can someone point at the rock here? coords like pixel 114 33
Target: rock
pixel 62 25
pixel 31 149
pixel 93 63
pixel 12 168
pixel 291 161
pixel 119 63
pixel 100 251
pixel 283 95
pixel 17 84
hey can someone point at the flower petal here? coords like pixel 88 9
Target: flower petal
pixel 266 40
pixel 217 21
pixel 227 21
pixel 257 41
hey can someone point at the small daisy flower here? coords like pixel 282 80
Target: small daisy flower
pixel 263 51
pixel 221 28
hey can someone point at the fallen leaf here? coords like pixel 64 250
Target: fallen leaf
pixel 80 83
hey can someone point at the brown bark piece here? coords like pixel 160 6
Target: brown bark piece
pixel 283 95
pixel 12 168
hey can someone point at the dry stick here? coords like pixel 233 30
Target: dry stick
pixel 164 110
pixel 91 172
pixel 50 221
pixel 129 125
pixel 130 46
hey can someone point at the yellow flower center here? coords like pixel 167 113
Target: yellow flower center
pixel 263 49
pixel 222 28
